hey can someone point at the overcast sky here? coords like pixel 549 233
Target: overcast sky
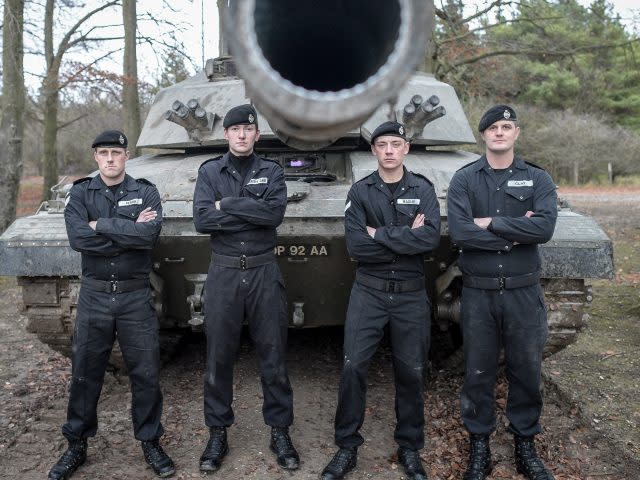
pixel 199 20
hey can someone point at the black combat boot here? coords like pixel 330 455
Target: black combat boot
pixel 527 461
pixel 342 463
pixel 410 461
pixel 71 459
pixel 283 448
pixel 160 462
pixel 217 448
pixel 480 464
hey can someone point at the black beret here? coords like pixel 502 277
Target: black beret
pixel 394 129
pixel 499 112
pixel 241 115
pixel 110 138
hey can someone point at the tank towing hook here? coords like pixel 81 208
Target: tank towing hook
pixel 196 301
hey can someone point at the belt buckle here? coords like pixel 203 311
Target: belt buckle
pixel 243 262
pixel 114 286
pixel 391 286
pixel 501 283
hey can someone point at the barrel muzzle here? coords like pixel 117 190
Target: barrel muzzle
pixel 318 69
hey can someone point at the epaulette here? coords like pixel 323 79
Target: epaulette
pixel 467 165
pixel 145 181
pixel 271 160
pixel 421 176
pixel 210 160
pixel 364 178
pixel 535 166
pixel 81 180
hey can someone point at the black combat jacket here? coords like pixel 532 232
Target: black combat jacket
pixel 396 251
pixel 511 247
pixel 119 248
pixel 250 208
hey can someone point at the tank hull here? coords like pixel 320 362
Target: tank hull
pixel 311 253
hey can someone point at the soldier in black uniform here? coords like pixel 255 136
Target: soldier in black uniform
pixel 392 218
pixel 240 199
pixel 114 220
pixel 499 209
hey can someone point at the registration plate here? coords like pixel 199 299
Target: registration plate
pixel 319 250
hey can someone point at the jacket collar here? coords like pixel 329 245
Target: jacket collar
pixel 407 180
pixel 483 164
pixel 129 183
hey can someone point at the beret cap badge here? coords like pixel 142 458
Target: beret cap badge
pixel 121 139
pixel 391 128
pixel 495 114
pixel 251 118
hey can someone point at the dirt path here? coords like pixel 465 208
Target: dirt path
pixel 33 404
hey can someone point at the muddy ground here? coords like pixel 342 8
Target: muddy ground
pixel 590 418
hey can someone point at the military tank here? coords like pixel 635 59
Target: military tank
pixel 322 75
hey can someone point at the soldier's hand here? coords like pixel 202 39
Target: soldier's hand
pixel 217 204
pixel 482 222
pixel 418 221
pixel 529 214
pixel 147 215
pixel 371 231
pixel 93 224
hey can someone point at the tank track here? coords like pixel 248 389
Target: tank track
pixel 565 299
pixel 50 305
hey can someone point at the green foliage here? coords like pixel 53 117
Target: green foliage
pixel 550 53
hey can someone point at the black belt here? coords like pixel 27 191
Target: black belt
pixel 391 286
pixel 115 286
pixel 243 262
pixel 501 283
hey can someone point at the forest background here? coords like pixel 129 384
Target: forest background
pixel 570 68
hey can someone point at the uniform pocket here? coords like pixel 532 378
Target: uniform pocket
pixel 130 211
pixel 406 214
pixel 257 190
pixel 518 200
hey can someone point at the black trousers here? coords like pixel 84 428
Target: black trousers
pixel 257 295
pixel 515 319
pixel 100 318
pixel 409 318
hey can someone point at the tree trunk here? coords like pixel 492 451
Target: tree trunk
pixel 12 122
pixel 50 113
pixel 50 140
pixel 130 100
pixel 576 173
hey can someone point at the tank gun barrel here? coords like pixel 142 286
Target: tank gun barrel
pixel 319 69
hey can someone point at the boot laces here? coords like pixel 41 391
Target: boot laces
pixel 531 461
pixel 341 459
pixel 216 441
pixel 282 440
pixel 411 459
pixel 154 451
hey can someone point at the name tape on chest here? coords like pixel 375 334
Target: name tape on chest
pixel 258 181
pixel 126 203
pixel 520 183
pixel 408 201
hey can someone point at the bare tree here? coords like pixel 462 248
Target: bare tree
pixel 130 97
pixel 52 84
pixel 12 122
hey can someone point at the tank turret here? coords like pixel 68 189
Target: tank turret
pixel 322 75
